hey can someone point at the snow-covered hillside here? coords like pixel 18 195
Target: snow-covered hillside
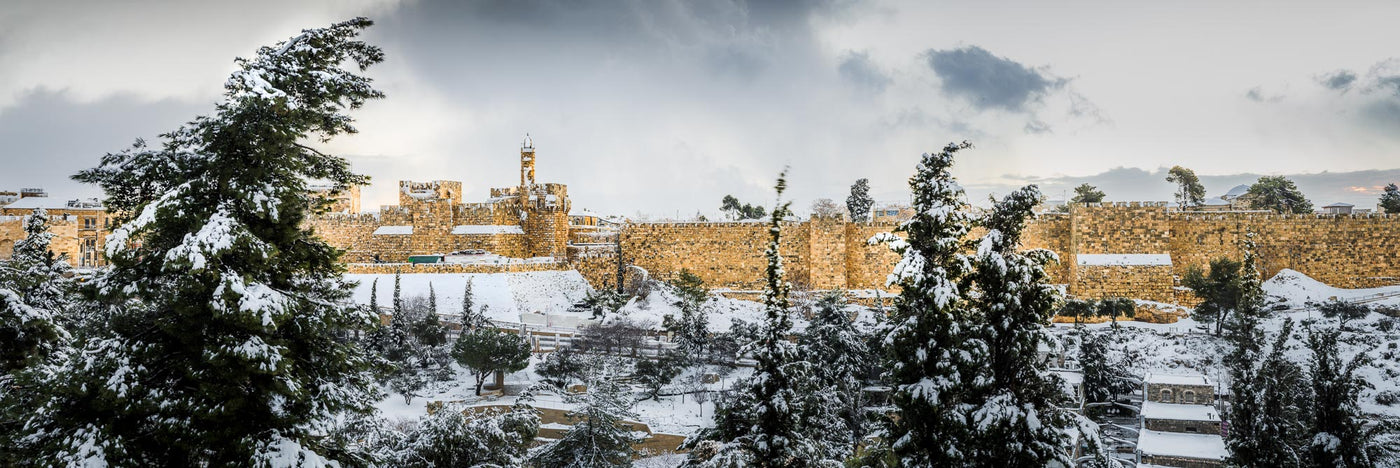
pixel 507 294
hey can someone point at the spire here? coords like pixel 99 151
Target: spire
pixel 528 146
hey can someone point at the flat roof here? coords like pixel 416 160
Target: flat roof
pixel 1185 445
pixel 1155 410
pixel 1179 379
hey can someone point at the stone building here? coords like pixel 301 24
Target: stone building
pixel 80 228
pixel 529 220
pixel 1180 422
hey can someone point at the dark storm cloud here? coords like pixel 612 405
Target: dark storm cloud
pixel 1340 80
pixel 857 69
pixel 48 136
pixel 988 81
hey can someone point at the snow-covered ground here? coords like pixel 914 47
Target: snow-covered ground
pixel 1177 348
pixel 1186 347
pixel 507 295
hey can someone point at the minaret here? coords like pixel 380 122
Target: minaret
pixel 527 162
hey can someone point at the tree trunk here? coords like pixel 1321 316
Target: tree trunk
pixel 480 380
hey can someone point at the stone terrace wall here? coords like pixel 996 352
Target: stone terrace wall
pixel 1150 282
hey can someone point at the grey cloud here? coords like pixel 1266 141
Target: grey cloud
pixel 49 136
pixel 988 81
pixel 1257 94
pixel 857 69
pixel 1036 127
pixel 1340 80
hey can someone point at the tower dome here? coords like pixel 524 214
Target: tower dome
pixel 528 145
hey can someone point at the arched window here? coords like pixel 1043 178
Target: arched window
pixel 1188 397
pixel 1167 396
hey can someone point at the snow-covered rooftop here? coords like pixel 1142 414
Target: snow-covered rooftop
pixel 394 231
pixel 1176 444
pixel 1178 379
pixel 1155 410
pixel 54 204
pixel 487 229
pixel 1124 259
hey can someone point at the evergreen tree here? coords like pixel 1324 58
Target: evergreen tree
pixel 1115 307
pixel 1390 200
pixel 1265 413
pixel 1078 310
pixel 653 374
pixel 1189 191
pixel 1086 193
pixel 374 297
pixel 781 416
pixel 449 437
pixel 1277 193
pixel 925 341
pixel 486 351
pixel 737 211
pixel 33 294
pixel 859 202
pixel 692 328
pixel 1337 434
pixel 598 438
pixel 33 300
pixel 470 319
pixel 1016 412
pixel 845 357
pixel 398 295
pixel 223 345
pixel 1220 291
pixel 1103 380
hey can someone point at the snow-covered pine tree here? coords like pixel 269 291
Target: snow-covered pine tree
pixel 598 437
pixel 1337 434
pixel 925 341
pixel 470 319
pixel 374 297
pixel 1016 412
pixel 1102 379
pixel 781 416
pixel 450 438
pixel 1275 434
pixel 398 295
pixel 33 294
pixel 1264 415
pixel 843 356
pixel 33 300
pixel 223 346
pixel 859 202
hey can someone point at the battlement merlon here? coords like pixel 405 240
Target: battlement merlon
pixel 437 191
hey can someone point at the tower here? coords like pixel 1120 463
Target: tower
pixel 527 162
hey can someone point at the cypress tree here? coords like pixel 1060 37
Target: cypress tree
pixel 224 345
pixel 1015 405
pixel 924 344
pixel 374 296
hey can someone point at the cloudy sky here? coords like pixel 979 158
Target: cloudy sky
pixel 664 106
